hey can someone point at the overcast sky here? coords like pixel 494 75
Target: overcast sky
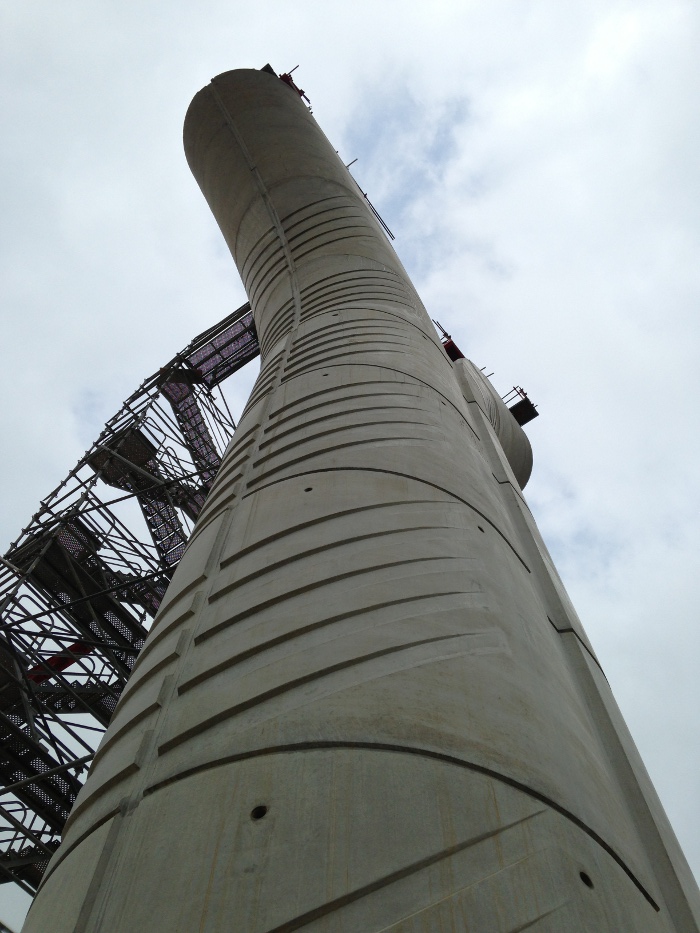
pixel 538 163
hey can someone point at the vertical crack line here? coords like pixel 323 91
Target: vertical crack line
pixel 274 216
pixel 291 268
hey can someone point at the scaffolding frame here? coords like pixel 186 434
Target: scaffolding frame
pixel 80 586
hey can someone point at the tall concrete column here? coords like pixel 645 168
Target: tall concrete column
pixel 366 703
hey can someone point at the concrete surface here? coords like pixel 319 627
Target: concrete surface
pixel 366 703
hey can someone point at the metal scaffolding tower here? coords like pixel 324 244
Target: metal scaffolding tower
pixel 80 587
